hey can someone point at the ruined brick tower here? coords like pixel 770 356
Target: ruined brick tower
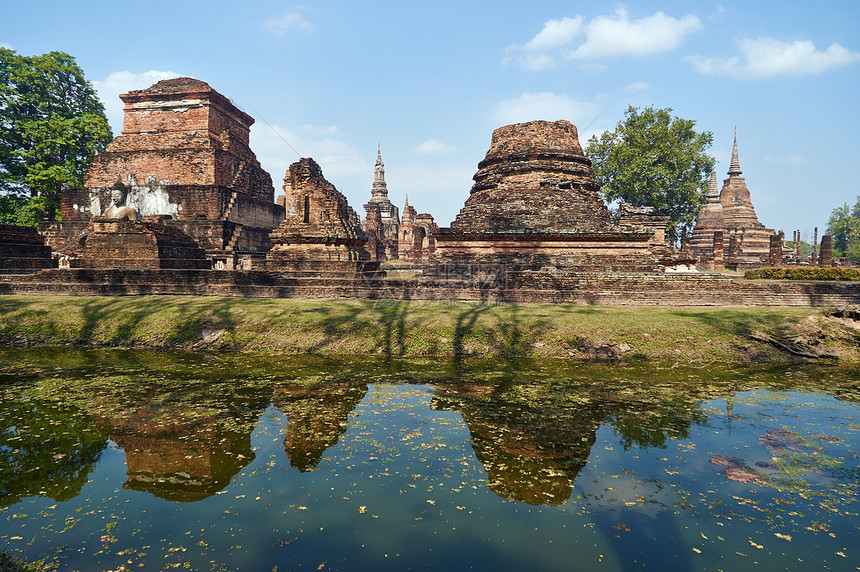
pixel 535 203
pixel 183 152
pixel 320 232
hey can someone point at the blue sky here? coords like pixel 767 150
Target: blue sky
pixel 430 81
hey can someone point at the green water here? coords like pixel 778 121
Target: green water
pixel 118 460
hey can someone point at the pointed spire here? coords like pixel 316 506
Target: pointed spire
pixel 713 191
pixel 406 206
pixel 735 167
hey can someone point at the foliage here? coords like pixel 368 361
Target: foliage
pixel 52 457
pixel 844 228
pixel 654 159
pixel 803 273
pixel 52 125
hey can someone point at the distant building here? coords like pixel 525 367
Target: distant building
pixel 744 242
pixel 389 214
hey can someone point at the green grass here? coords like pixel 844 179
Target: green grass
pixel 403 328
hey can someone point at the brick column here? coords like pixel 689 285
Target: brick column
pixel 815 248
pixel 826 258
pixel 775 255
pixel 718 249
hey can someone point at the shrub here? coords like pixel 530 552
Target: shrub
pixel 803 273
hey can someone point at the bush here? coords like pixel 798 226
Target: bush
pixel 803 273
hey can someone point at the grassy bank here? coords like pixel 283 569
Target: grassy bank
pixel 355 327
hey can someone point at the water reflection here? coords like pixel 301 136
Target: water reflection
pixel 316 418
pixel 533 464
pixel 46 449
pixel 531 453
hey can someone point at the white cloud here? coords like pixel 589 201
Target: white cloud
pixel 766 57
pixel 116 83
pixel 287 23
pixel 543 105
pixel 433 147
pixel 7 46
pixel 555 33
pixel 612 36
pixel 789 160
pixel 605 36
pixel 636 87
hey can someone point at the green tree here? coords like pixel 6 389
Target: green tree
pixel 844 228
pixel 657 160
pixel 52 125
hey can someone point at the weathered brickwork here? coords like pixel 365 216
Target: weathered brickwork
pixel 22 248
pixel 183 152
pixel 752 237
pixel 147 243
pixel 602 288
pixel 320 229
pixel 535 203
pixel 702 242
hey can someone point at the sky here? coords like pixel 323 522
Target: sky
pixel 428 82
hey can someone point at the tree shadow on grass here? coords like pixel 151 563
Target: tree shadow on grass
pixel 742 323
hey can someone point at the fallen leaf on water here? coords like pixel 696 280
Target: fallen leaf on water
pixel 783 536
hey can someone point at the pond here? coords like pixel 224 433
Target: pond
pixel 120 460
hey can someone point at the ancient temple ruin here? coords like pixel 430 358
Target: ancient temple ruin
pixel 23 249
pixel 321 231
pixel 728 232
pixel 387 232
pixel 535 204
pixel 417 239
pixel 183 155
pixel 706 240
pixel 742 224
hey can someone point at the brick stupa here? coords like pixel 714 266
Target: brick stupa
pixel 752 238
pixel 321 231
pixel 709 221
pixel 535 203
pixel 183 152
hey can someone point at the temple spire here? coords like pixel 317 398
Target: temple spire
pixel 735 167
pixel 380 189
pixel 713 191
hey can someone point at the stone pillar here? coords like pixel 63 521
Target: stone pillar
pixel 718 249
pixel 815 248
pixel 797 244
pixel 775 255
pixel 826 258
pixel 731 258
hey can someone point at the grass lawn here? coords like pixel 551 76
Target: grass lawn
pixel 404 328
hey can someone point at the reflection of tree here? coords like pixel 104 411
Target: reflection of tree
pixel 182 445
pixel 652 425
pixel 316 418
pixel 46 449
pixel 532 452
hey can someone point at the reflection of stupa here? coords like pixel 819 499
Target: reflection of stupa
pixel 531 455
pixel 316 418
pixel 182 467
pixel 177 453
